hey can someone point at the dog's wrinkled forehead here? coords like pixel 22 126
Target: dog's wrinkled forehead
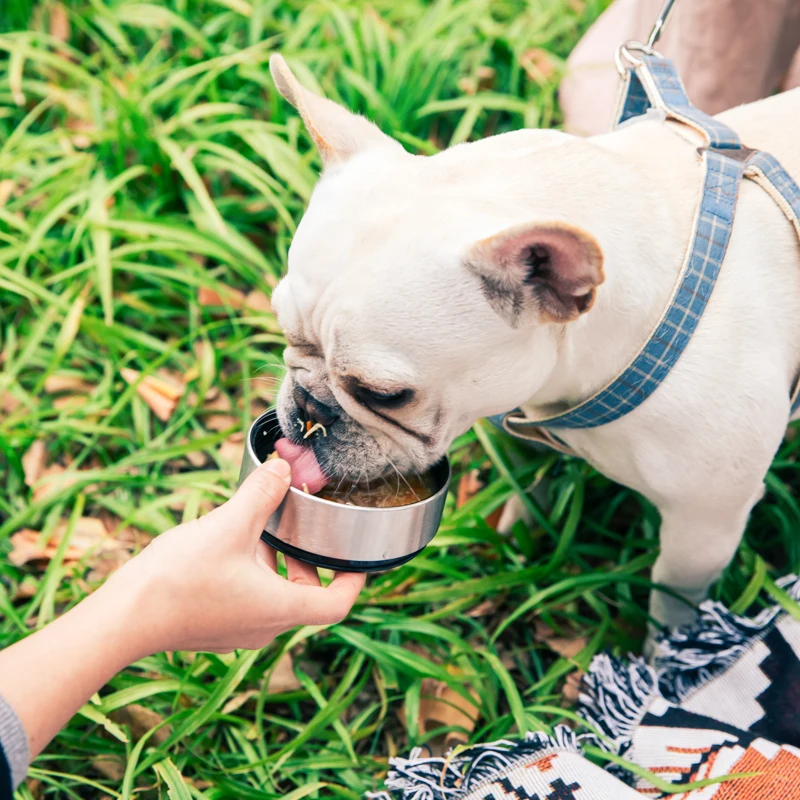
pixel 375 248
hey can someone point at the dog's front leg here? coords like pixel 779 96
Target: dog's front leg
pixel 697 542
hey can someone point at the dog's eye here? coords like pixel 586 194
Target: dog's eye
pixel 370 397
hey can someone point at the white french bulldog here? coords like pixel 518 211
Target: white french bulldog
pixel 527 270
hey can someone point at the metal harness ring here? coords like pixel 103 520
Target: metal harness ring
pixel 625 60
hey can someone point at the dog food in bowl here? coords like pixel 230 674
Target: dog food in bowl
pixel 388 492
pixel 399 490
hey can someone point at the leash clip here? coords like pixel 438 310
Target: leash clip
pixel 661 22
pixel 624 58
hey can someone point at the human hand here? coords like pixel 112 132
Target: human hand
pixel 212 584
pixel 206 585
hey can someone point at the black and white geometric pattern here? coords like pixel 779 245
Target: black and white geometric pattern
pixel 725 700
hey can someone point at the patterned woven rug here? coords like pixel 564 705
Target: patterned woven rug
pixel 723 699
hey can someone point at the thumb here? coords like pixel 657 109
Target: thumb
pixel 258 497
pixel 327 606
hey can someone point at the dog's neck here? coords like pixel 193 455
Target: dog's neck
pixel 644 236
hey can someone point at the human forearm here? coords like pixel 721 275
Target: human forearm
pixel 49 675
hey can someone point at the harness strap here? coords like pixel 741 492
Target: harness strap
pixel 653 82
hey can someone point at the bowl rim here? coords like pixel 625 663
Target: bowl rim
pixel 307 496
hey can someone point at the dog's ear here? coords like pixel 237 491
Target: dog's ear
pixel 337 132
pixel 547 271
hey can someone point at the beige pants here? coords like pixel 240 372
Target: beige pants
pixel 728 52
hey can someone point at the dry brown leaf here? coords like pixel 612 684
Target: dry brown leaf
pixel 485 76
pixel 88 532
pixel 35 787
pixel 216 401
pixel 53 479
pixel 27 588
pixel 484 609
pixel 110 766
pixel 160 392
pixel 88 535
pixel 469 485
pixel 238 700
pixel 132 538
pixel 70 402
pixel 231 450
pixel 282 677
pixel 212 395
pixel 508 658
pixel 258 301
pixel 197 458
pixel 468 85
pixel 170 384
pixel 59 22
pixel 538 64
pixel 200 347
pixel 401 590
pixel 440 706
pixel 34 461
pixel 493 520
pixel 105 562
pixel 8 403
pixel 224 296
pixel 221 421
pixel 25 547
pixel 140 720
pixel 420 650
pixel 571 689
pixel 80 125
pixel 257 408
pixel 565 646
pixel 6 188
pixel 58 384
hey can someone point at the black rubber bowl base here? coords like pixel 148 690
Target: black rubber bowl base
pixel 337 564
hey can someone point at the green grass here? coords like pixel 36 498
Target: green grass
pixel 149 158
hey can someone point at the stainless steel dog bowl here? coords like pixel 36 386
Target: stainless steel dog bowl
pixel 343 537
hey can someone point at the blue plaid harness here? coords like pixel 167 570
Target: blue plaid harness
pixel 653 82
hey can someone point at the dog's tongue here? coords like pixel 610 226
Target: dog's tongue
pixel 305 469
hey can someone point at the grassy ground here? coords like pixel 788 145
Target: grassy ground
pixel 150 183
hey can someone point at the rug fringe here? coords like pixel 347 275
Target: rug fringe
pixel 426 778
pixel 616 696
pixel 687 658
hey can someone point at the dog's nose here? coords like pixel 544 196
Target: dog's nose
pixel 314 410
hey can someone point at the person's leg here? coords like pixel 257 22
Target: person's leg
pixel 792 78
pixel 728 52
